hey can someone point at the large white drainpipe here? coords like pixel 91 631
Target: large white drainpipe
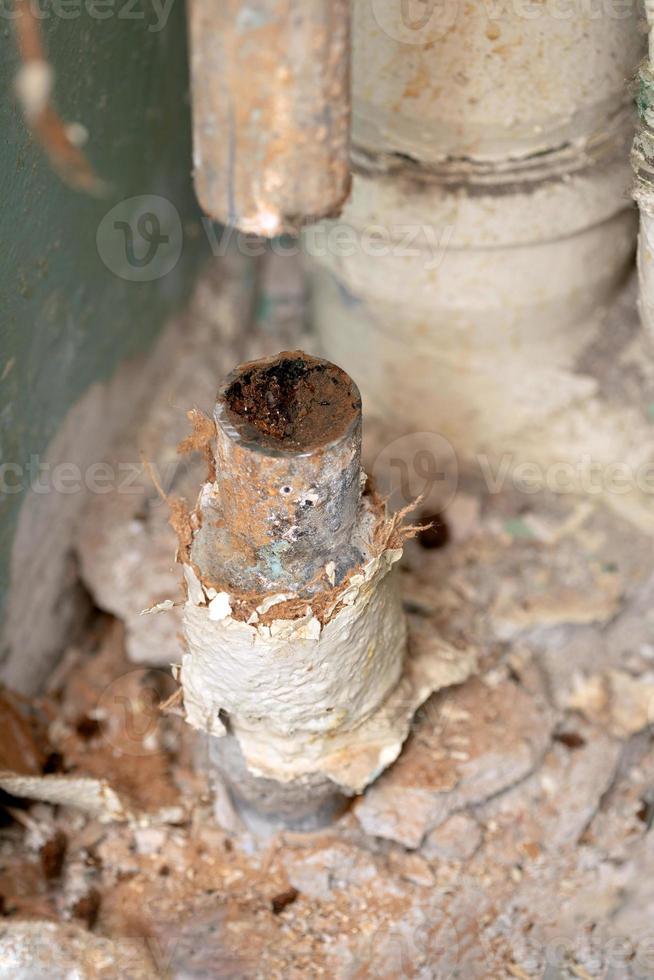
pixel 489 229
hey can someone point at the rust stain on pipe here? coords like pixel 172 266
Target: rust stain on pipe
pixel 270 87
pixel 288 461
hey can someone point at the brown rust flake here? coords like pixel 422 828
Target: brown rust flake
pixel 291 403
pixel 389 533
pixel 201 439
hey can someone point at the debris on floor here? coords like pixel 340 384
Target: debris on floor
pixel 512 837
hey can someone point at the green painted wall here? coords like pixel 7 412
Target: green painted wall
pixel 66 318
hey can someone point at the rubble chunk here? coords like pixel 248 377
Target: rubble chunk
pixel 471 743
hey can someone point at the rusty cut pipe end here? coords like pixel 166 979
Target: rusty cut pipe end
pixel 289 404
pixel 288 461
pixel 270 90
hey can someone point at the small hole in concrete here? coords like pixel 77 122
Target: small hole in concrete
pixel 571 740
pixel 646 812
pixel 88 727
pixel 437 535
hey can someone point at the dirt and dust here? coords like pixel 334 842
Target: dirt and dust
pixel 512 834
pixel 512 838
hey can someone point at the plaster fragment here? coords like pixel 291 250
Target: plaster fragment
pixel 94 796
pixel 159 607
pixel 195 591
pixel 219 607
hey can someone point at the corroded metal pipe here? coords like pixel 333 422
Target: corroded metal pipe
pixel 288 459
pixel 297 670
pixel 270 87
pixel 293 621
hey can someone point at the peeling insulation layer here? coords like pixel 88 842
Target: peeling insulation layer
pixel 313 685
pixel 290 687
pixel 321 686
pixel 314 682
pixel 297 674
pixel 305 697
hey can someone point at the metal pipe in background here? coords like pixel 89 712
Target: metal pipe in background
pixel 270 88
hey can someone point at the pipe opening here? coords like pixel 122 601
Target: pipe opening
pixel 291 403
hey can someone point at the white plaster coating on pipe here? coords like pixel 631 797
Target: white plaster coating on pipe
pixel 488 80
pixel 299 674
pixel 296 679
pixel 353 759
pixel 305 698
pixel 315 686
